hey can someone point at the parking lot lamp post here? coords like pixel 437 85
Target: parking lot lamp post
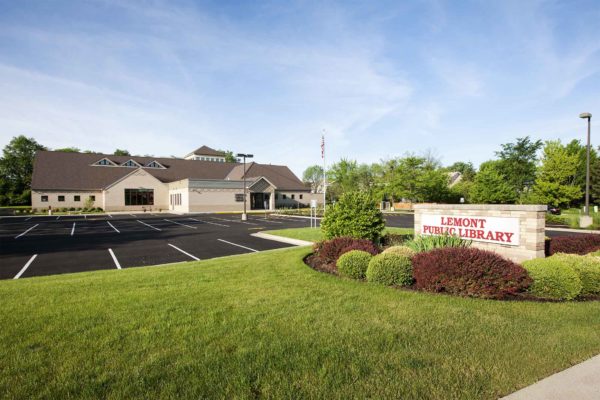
pixel 244 156
pixel 587 116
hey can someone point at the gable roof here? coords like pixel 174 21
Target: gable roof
pixel 207 151
pixel 57 170
pixel 279 175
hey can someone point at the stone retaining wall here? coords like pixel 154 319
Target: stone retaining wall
pixel 531 222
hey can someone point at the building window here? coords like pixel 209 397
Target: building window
pixel 93 198
pixel 131 164
pixel 104 162
pixel 155 164
pixel 293 196
pixel 300 196
pixel 239 197
pixel 44 199
pixel 61 198
pixel 76 198
pixel 276 196
pixel 283 196
pixel 139 197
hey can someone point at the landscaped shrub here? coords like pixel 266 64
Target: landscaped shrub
pixel 354 264
pixel 356 215
pixel 329 251
pixel 588 269
pixel 576 244
pixel 468 272
pixel 71 208
pixel 429 242
pixel 553 278
pixel 390 269
pixel 401 251
pixel 395 239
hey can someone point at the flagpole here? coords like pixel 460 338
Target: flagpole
pixel 324 171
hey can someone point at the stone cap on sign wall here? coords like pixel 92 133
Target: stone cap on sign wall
pixel 497 207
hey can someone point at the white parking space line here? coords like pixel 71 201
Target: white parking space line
pixel 112 226
pixel 17 276
pixel 109 215
pixel 25 233
pixel 85 216
pixel 73 229
pixel 132 215
pixel 238 245
pixel 58 217
pixel 27 219
pixel 208 222
pixel 114 259
pixel 150 226
pixel 184 252
pixel 234 220
pixel 179 223
pixel 267 221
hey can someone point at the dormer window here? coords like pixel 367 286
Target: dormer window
pixel 105 162
pixel 130 164
pixel 155 164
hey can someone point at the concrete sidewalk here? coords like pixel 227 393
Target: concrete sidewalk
pixel 581 382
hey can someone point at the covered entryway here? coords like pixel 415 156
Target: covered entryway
pixel 262 195
pixel 260 201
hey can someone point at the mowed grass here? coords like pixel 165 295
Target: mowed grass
pixel 265 325
pixel 315 234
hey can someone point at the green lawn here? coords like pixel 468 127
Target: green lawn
pixel 265 325
pixel 315 234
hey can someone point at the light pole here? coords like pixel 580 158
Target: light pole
pixel 244 156
pixel 587 169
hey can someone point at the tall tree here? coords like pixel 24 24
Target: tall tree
pixel 121 152
pixel 313 176
pixel 518 163
pixel 574 147
pixel 491 185
pixel 16 167
pixel 556 179
pixel 229 157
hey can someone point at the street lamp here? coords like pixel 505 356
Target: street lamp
pixel 244 156
pixel 587 171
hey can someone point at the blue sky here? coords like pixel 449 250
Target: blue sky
pixel 381 78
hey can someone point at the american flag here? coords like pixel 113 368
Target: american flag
pixel 323 147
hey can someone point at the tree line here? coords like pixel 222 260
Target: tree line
pixel 522 172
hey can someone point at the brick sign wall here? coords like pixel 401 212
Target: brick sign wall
pixel 514 231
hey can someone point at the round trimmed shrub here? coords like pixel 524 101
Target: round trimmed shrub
pixel 553 278
pixel 354 264
pixel 401 251
pixel 390 269
pixel 355 214
pixel 588 269
pixel 470 272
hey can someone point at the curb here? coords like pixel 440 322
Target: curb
pixel 294 216
pixel 597 232
pixel 295 242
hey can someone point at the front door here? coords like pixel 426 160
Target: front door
pixel 259 201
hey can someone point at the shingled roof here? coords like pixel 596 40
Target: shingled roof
pixel 207 151
pixel 56 170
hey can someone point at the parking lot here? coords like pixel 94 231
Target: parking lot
pixel 46 245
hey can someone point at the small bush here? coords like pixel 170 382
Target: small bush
pixel 588 269
pixel 395 239
pixel 71 208
pixel 390 269
pixel 469 272
pixel 64 209
pixel 429 242
pixel 401 251
pixel 329 251
pixel 576 244
pixel 44 210
pixel 553 278
pixel 354 264
pixel 99 209
pixel 356 215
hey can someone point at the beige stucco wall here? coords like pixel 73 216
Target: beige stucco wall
pixel 206 200
pixel 36 199
pixel 114 196
pixel 532 224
